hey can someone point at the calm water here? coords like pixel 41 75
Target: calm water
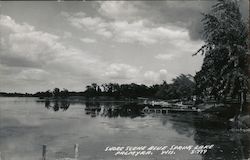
pixel 25 125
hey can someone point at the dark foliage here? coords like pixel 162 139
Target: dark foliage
pixel 182 87
pixel 224 69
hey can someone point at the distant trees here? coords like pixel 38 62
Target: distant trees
pixel 64 93
pixel 91 90
pixel 47 93
pixel 15 94
pixel 55 93
pixel 224 69
pixel 117 91
pixel 182 87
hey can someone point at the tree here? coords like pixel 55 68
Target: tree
pixel 162 91
pixel 90 90
pixel 56 92
pixel 224 70
pixel 64 93
pixel 182 87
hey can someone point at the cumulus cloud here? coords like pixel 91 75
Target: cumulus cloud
pixel 141 31
pixel 164 56
pixel 24 46
pixel 88 40
pixel 33 57
pixel 67 34
pixel 121 71
pixel 125 73
pixel 153 77
pixel 41 56
pixel 31 74
pixel 40 60
pixel 23 41
pixel 118 9
pixel 81 21
pixel 8 24
pixel 185 14
pixel 175 13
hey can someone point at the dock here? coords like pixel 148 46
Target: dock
pixel 168 110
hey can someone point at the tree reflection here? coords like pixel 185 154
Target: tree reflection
pixel 93 108
pixel 227 145
pixel 57 105
pixel 216 130
pixel 112 110
pixel 182 123
pixel 203 128
pixel 208 129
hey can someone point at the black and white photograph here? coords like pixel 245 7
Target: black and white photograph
pixel 124 80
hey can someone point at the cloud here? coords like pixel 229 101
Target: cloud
pixel 32 74
pixel 141 31
pixel 172 13
pixel 33 60
pixel 117 9
pixel 8 24
pixel 125 73
pixel 88 40
pixel 152 77
pixel 33 55
pixel 81 21
pixel 23 41
pixel 170 28
pixel 24 46
pixel 67 34
pixel 88 22
pixel 184 14
pixel 165 56
pixel 121 71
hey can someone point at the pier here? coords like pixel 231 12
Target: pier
pixel 168 110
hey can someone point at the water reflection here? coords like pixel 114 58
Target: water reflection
pixel 227 145
pixel 215 129
pixel 57 105
pixel 113 110
pixel 104 109
pixel 203 128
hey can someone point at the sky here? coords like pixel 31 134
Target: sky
pixel 70 45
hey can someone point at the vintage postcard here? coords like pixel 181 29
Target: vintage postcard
pixel 124 80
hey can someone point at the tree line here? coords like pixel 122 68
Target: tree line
pixel 181 87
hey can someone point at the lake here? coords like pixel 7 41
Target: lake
pixel 26 125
